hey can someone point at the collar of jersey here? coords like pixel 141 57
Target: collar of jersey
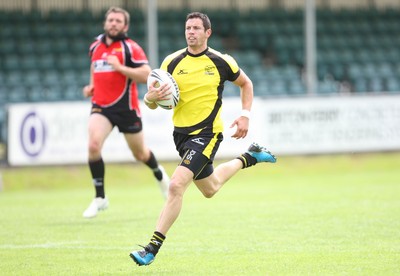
pixel 119 38
pixel 197 55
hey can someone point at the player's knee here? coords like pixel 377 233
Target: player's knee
pixel 141 156
pixel 175 189
pixel 208 193
pixel 94 148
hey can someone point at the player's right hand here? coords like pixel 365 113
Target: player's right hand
pixel 87 90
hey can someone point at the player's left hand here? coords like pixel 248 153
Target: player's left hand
pixel 242 127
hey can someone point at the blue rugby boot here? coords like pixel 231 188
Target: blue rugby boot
pixel 142 257
pixel 256 154
pixel 261 154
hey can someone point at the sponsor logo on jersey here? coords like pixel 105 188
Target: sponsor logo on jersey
pixel 102 66
pixel 198 141
pixel 209 70
pixel 189 157
pixel 116 50
pixel 182 72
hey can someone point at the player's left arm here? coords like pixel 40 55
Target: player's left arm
pixel 246 96
pixel 137 74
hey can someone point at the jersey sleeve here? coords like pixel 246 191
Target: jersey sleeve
pixel 234 71
pixel 137 55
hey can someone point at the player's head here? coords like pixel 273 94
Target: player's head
pixel 203 17
pixel 116 22
pixel 197 30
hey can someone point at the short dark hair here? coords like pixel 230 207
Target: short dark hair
pixel 118 10
pixel 202 16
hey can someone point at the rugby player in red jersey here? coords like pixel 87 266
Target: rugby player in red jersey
pixel 117 64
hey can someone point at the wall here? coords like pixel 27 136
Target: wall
pixel 49 134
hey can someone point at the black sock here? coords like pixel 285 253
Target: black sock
pixel 153 165
pixel 97 170
pixel 155 243
pixel 247 160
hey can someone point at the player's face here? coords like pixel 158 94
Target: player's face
pixel 114 25
pixel 196 35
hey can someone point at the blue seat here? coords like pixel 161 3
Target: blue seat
pixel 46 62
pixel 11 62
pixel 328 86
pixel 268 88
pixel 376 85
pixel 29 62
pixel 32 77
pixel 231 90
pixel 36 93
pixel 13 78
pixel 361 85
pixel 50 78
pixel 72 92
pixel 18 94
pixel 393 85
pixel 296 87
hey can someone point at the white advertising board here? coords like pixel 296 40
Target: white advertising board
pixel 56 133
pixel 330 125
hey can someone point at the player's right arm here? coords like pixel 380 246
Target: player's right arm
pixel 88 90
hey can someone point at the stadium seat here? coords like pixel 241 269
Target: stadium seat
pixel 18 94
pixel 327 86
pixel 355 71
pixel 80 47
pixel 68 76
pixel 46 62
pixel 11 62
pixel 32 77
pixel 278 88
pixel 36 93
pixel 72 92
pixel 231 90
pixel 393 85
pixel 28 62
pixel 376 85
pixel 50 78
pixel 43 46
pixel 61 46
pixel 3 93
pixel 25 47
pixel 296 87
pixel 53 93
pixel 7 46
pixel 262 90
pixel 13 78
pixel 361 85
pixel 65 61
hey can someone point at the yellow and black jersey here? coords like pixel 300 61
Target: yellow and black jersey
pixel 201 80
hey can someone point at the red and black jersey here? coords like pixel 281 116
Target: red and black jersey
pixel 111 88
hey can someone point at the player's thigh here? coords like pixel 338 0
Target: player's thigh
pixel 99 128
pixel 207 185
pixel 180 179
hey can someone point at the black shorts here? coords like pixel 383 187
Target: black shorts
pixel 198 152
pixel 127 120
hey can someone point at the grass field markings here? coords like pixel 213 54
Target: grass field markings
pixel 62 245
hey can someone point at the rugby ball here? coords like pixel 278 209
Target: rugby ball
pixel 161 77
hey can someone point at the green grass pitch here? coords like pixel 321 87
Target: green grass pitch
pixel 315 215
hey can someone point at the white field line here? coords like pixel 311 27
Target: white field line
pixel 60 245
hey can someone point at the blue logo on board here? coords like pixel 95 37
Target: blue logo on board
pixel 32 134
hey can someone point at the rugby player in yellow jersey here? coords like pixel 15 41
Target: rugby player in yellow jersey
pixel 200 73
